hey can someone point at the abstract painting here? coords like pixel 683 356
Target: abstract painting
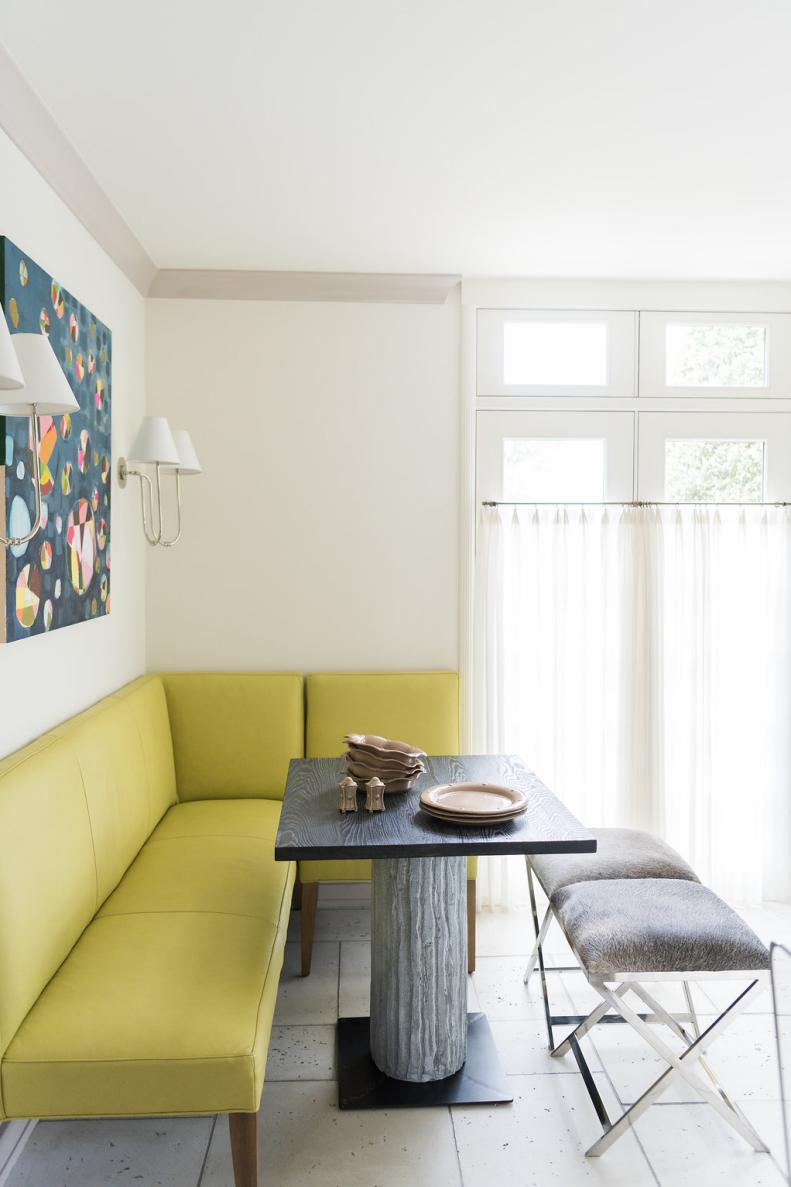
pixel 62 576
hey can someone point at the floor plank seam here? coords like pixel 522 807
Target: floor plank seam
pixel 206 1151
pixel 456 1146
pixel 327 1080
pixel 301 1025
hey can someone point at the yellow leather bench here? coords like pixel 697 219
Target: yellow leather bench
pixel 417 707
pixel 142 914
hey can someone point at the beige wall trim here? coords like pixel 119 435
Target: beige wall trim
pixel 33 130
pixel 405 288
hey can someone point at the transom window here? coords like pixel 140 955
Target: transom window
pixel 555 354
pixel 560 352
pixel 715 355
pixel 710 355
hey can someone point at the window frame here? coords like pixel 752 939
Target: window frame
pixel 621 352
pixel 656 427
pixel 614 427
pixel 652 355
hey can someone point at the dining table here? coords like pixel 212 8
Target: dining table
pixel 420 1046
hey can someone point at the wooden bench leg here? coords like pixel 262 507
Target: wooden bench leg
pixel 310 895
pixel 471 904
pixel 244 1148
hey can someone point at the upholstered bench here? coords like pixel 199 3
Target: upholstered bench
pixel 627 933
pixel 620 853
pixel 142 914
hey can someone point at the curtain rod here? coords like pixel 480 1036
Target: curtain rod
pixel 617 503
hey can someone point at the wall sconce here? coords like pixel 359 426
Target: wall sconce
pixel 33 385
pixel 172 452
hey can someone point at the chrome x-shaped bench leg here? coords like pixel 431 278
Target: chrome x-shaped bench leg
pixel 541 935
pixel 679 1066
pixel 587 1023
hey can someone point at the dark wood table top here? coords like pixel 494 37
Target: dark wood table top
pixel 312 828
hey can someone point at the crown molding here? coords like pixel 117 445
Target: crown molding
pixel 219 285
pixel 31 127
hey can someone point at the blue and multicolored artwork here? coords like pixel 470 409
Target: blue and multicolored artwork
pixel 62 576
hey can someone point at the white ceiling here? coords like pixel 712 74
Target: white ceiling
pixel 485 137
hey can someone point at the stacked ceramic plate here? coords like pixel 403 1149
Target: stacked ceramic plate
pixel 478 804
pixel 396 763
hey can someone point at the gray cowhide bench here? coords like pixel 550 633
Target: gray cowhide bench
pixel 635 913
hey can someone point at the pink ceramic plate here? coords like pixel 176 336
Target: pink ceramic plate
pixel 475 821
pixel 473 799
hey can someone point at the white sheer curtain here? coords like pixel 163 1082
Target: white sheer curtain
pixel 638 658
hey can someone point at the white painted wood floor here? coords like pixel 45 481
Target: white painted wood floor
pixel 536 1142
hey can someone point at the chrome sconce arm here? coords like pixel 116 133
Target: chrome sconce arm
pixel 17 541
pixel 151 508
pixel 167 451
pixel 175 539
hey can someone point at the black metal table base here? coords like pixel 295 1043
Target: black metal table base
pixel 362 1086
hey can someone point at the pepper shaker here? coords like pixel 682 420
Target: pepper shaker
pixel 374 795
pixel 347 795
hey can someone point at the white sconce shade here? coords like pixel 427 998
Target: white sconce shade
pixel 189 463
pixel 154 443
pixel 45 385
pixel 10 370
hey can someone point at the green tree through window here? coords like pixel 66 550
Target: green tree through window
pixel 714 471
pixel 723 355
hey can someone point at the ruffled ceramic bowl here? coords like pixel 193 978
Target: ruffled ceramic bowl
pixel 385 748
pixel 402 770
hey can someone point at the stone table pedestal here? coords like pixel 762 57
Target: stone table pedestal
pixel 419 967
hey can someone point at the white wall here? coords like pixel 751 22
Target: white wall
pixel 46 678
pixel 323 532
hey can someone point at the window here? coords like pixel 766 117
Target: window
pixel 705 355
pixel 631 650
pixel 714 471
pixel 714 457
pixel 715 355
pixel 525 352
pixel 555 354
pixel 568 440
pixel 543 470
pixel 555 457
